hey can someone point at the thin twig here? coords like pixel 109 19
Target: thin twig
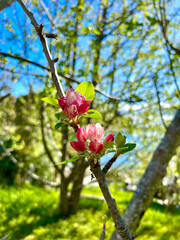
pixel 47 12
pixel 72 79
pixel 39 30
pixel 109 164
pixel 5 237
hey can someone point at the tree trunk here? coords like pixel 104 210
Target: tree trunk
pixel 152 177
pixel 77 185
pixel 64 208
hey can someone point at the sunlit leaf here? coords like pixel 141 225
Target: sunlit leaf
pixel 92 114
pixel 51 101
pixel 86 89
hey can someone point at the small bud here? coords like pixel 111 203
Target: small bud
pixel 78 146
pixel 83 108
pixel 109 138
pixel 61 102
pixel 96 146
pixel 81 135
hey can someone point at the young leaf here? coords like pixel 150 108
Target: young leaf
pixel 120 140
pixel 51 101
pixel 92 114
pixel 86 89
pixel 129 146
pixel 71 160
pixel 57 115
pixel 120 150
pixel 111 150
pixel 58 125
pixel 108 145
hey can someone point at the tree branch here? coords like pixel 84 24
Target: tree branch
pixel 5 3
pixel 121 227
pixel 5 237
pixel 31 174
pixel 48 152
pixel 109 164
pixel 47 12
pixel 66 77
pixel 39 30
pixel 4 97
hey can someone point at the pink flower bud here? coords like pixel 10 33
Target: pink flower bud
pixel 96 146
pixel 78 146
pixel 109 138
pixel 61 102
pixel 83 108
pixel 94 131
pixel 71 111
pixel 73 97
pixel 81 135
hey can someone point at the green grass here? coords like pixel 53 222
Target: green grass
pixel 32 213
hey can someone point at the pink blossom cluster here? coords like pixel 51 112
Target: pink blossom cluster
pixel 90 138
pixel 74 103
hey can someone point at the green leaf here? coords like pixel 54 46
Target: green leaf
pixel 120 140
pixel 120 150
pixel 71 160
pixel 129 146
pixel 92 114
pixel 51 101
pixel 58 125
pixel 86 89
pixel 108 145
pixel 112 150
pixel 57 115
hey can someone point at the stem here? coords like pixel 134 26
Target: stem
pixel 121 227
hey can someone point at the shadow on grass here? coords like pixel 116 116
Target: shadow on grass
pixel 24 224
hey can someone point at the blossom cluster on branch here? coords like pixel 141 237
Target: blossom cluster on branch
pixel 91 140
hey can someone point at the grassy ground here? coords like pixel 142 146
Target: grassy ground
pixel 31 213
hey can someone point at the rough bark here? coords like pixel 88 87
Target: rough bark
pixel 5 3
pixel 153 176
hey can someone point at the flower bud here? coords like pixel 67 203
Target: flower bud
pixel 78 146
pixel 96 146
pixel 73 97
pixel 94 131
pixel 83 108
pixel 109 138
pixel 81 135
pixel 71 111
pixel 61 102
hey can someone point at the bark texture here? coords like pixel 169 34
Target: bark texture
pixel 120 225
pixel 152 177
pixel 5 4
